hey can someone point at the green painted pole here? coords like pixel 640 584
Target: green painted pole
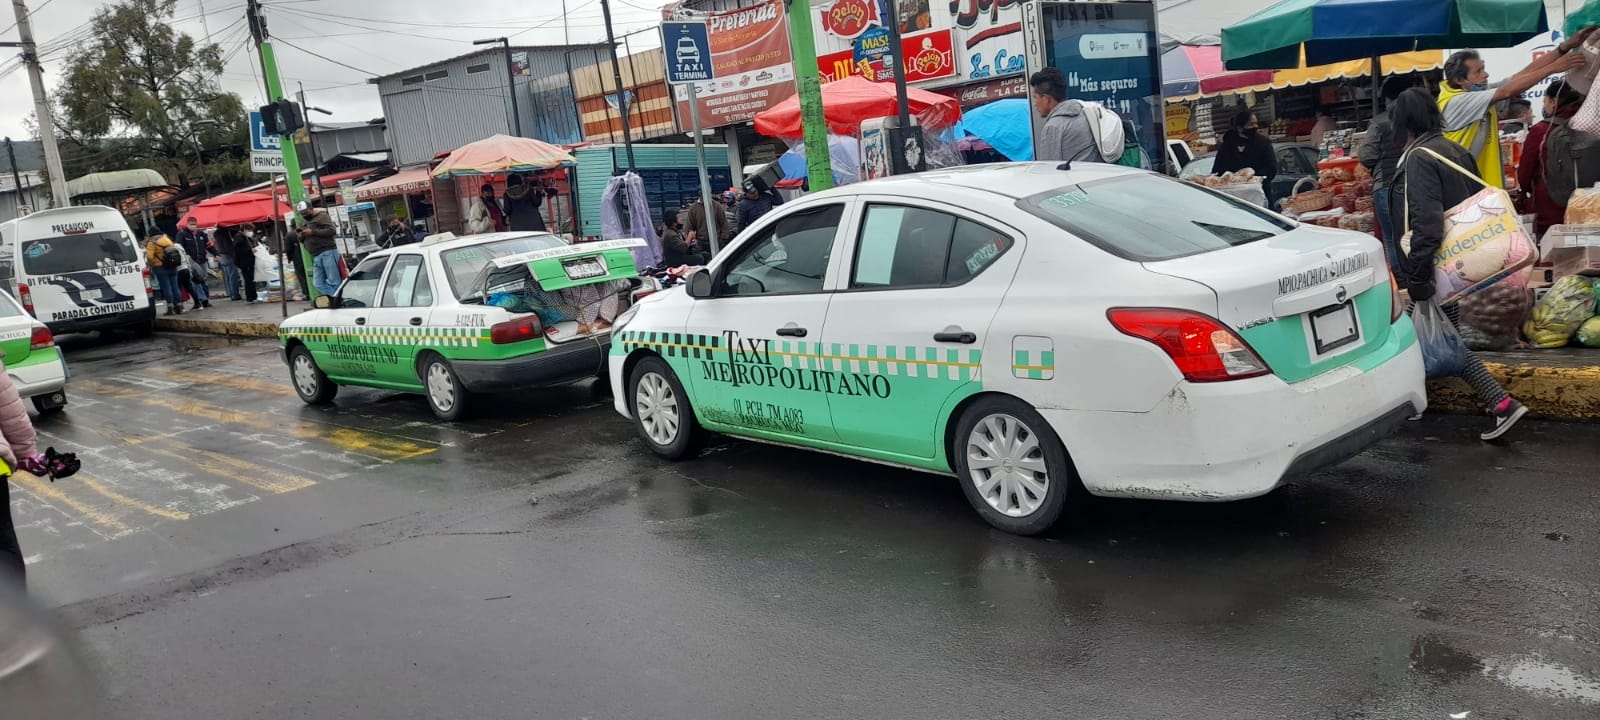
pixel 803 47
pixel 292 181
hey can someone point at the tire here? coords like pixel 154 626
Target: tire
pixel 313 387
pixel 45 408
pixel 1005 489
pixel 447 397
pixel 661 410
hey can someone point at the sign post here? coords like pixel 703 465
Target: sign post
pixel 688 49
pixel 819 166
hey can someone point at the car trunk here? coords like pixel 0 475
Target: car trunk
pixel 575 290
pixel 1307 301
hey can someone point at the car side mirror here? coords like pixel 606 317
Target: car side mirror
pixel 700 284
pixel 325 302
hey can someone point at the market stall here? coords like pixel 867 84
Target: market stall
pixel 494 161
pixel 854 102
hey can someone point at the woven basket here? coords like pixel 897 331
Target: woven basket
pixel 1303 202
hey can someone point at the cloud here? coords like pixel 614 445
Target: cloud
pixel 366 37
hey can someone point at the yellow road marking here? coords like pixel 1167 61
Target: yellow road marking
pixel 257 476
pixel 237 382
pixel 121 499
pixel 48 492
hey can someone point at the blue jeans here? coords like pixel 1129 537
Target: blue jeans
pixel 196 285
pixel 168 280
pixel 325 272
pixel 1391 234
pixel 230 276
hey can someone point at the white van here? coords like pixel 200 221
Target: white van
pixel 77 269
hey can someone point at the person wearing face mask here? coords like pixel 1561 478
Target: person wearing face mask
pixel 1245 147
pixel 1467 100
pixel 244 257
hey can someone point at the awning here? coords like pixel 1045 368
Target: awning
pixel 116 182
pixel 402 183
pixel 1397 64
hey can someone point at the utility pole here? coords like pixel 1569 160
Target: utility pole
pixel 293 183
pixel 16 177
pixel 803 47
pixel 311 140
pixel 41 105
pixel 897 61
pixel 616 74
pixel 511 82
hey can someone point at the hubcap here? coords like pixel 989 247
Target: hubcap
pixel 1007 465
pixel 441 390
pixel 305 376
pixel 656 406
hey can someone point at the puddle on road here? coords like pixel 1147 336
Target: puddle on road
pixel 1431 655
pixel 1542 677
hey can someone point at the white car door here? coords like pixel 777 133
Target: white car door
pixel 753 346
pixel 910 322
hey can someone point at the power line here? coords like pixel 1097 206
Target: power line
pixel 30 15
pixel 369 73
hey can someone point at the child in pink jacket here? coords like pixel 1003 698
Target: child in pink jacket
pixel 18 450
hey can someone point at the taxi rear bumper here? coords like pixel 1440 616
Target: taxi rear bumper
pixel 569 361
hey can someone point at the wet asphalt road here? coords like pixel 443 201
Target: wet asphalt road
pixel 229 553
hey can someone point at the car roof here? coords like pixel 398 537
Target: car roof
pixel 1014 180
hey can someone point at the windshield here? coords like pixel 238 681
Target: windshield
pixel 59 255
pixel 1147 218
pixel 463 265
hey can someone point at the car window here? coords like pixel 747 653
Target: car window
pixel 790 256
pixel 902 247
pixel 1148 217
pixel 361 288
pixel 407 285
pixel 463 265
pixel 1201 166
pixel 9 308
pixel 75 253
pixel 1308 159
pixel 973 248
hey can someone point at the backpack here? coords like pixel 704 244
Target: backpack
pixel 1571 160
pixel 1106 127
pixel 171 258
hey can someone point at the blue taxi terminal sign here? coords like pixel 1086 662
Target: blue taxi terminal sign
pixel 688 52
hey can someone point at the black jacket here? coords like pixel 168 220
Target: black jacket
pixel 1426 188
pixel 752 210
pixel 244 253
pixel 676 250
pixel 319 234
pixel 1380 154
pixel 1238 153
pixel 193 243
pixel 522 208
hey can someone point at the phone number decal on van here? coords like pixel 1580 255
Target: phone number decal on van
pixel 92 312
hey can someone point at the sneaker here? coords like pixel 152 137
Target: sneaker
pixel 1505 417
pixel 206 304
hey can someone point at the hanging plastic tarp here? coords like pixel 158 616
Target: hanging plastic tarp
pixel 1005 125
pixel 844 153
pixel 625 213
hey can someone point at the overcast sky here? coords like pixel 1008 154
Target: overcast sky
pixel 373 37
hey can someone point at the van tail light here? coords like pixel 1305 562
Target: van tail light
pixel 149 289
pixel 1397 305
pixel 25 296
pixel 1203 348
pixel 42 338
pixel 513 331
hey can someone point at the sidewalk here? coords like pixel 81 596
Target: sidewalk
pixel 231 318
pixel 1560 384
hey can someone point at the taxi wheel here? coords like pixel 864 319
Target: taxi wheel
pixel 313 387
pixel 447 397
pixel 661 410
pixel 1011 466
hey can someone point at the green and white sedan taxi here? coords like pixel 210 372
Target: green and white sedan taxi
pixel 31 357
pixel 452 317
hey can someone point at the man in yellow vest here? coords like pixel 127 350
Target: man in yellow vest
pixel 1467 100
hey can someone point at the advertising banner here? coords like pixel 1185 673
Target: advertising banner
pixel 928 57
pixel 1109 54
pixel 988 37
pixel 751 63
pixel 979 39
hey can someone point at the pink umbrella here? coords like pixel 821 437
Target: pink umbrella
pixel 235 209
pixel 500 154
pixel 846 103
pixel 1197 70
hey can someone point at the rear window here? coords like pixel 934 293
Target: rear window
pixel 463 265
pixel 89 251
pixel 8 305
pixel 1147 218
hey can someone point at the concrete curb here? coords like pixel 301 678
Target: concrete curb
pixel 226 328
pixel 1555 393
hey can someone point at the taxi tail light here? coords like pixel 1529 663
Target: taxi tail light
pixel 513 331
pixel 42 338
pixel 25 296
pixel 1203 348
pixel 1397 305
pixel 149 289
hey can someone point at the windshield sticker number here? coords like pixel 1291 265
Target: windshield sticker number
pixel 981 257
pixel 1067 200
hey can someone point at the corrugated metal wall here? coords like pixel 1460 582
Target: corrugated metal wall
pixel 669 173
pixel 650 106
pixel 332 142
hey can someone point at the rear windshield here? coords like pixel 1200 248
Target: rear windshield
pixel 89 251
pixel 1147 218
pixel 463 265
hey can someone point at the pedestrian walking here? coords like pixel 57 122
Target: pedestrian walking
pixel 1561 102
pixel 1065 134
pixel 756 203
pixel 1467 100
pixel 19 451
pixel 1435 175
pixel 1380 155
pixel 222 250
pixel 165 259
pixel 319 236
pixel 244 257
pixel 189 278
pixel 193 241
pixel 523 198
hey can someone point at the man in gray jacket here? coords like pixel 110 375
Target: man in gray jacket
pixel 1066 135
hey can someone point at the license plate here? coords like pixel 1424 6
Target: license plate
pixel 583 268
pixel 1334 327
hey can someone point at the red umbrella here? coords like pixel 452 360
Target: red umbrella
pixel 236 209
pixel 847 102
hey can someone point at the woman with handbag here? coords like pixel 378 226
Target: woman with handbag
pixel 1434 177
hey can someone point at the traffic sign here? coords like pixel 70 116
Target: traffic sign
pixel 267 161
pixel 688 49
pixel 260 141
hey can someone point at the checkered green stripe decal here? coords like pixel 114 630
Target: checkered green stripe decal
pixel 1033 364
pixel 418 336
pixel 893 360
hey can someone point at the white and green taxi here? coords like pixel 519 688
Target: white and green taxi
pixel 453 317
pixel 31 357
pixel 1029 327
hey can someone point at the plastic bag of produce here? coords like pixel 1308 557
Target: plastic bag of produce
pixel 1492 318
pixel 1443 354
pixel 1589 333
pixel 1569 304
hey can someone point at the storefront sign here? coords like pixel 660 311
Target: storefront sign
pixel 751 62
pixel 929 56
pixel 1108 52
pixel 988 37
pixel 987 91
pixel 849 18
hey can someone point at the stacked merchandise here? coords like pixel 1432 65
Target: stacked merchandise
pixel 1342 198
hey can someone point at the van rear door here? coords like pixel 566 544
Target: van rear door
pixel 82 275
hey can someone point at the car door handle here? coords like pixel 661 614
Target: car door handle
pixel 361 321
pixel 416 321
pixel 955 335
pixel 792 331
